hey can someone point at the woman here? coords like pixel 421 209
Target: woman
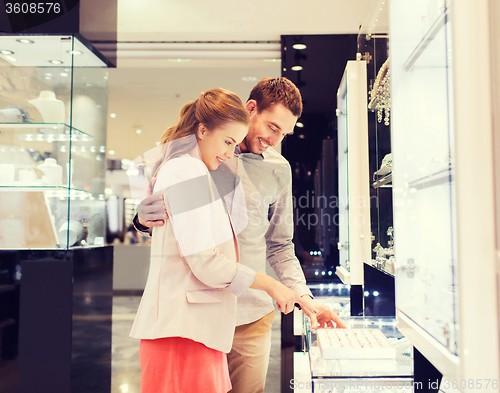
pixel 186 318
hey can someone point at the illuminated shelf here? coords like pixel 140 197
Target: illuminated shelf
pixel 49 132
pixel 53 191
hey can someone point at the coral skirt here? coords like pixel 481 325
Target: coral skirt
pixel 180 365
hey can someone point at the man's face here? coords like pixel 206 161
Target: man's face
pixel 267 128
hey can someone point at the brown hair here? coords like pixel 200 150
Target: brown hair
pixel 214 108
pixel 272 91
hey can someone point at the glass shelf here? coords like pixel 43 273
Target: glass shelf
pixel 53 191
pixel 438 24
pixel 442 177
pixel 50 132
pixel 383 182
pixel 373 264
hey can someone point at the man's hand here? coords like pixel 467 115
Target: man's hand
pixel 324 316
pixel 152 212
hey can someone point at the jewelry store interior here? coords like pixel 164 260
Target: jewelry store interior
pixel 395 181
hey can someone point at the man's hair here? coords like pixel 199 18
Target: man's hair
pixel 272 91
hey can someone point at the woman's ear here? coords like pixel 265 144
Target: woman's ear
pixel 201 131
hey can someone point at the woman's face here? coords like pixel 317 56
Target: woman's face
pixel 218 145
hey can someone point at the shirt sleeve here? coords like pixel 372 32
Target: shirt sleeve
pixel 280 248
pixel 141 228
pixel 200 224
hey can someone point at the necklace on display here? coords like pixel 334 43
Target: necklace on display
pixel 380 95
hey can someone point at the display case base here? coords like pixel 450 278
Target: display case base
pixel 55 320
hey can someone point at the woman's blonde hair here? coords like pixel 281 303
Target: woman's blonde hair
pixel 213 108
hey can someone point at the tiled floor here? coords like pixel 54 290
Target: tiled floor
pixel 125 364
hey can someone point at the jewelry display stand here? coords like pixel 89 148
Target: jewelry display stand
pixel 50 108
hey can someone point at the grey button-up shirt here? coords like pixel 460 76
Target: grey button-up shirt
pixel 266 222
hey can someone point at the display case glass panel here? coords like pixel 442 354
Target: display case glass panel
pixel 373 45
pixel 423 176
pixel 53 105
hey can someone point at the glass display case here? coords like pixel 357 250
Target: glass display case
pixel 373 45
pixel 443 184
pixel 53 108
pixel 368 373
pixel 423 140
pixel 354 196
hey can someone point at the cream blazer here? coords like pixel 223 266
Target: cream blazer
pixel 194 275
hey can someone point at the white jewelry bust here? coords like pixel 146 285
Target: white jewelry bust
pixel 51 109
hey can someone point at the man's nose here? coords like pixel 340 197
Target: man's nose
pixel 275 139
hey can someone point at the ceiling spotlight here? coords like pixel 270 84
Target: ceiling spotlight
pixel 138 131
pixel 63 74
pixel 75 52
pixel 55 61
pixel 25 41
pixel 179 60
pixel 113 115
pixel 249 79
pixel 6 52
pixel 299 46
pixel 299 124
pixel 272 60
pixel 111 152
pixel 297 68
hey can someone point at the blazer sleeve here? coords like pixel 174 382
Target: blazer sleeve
pixel 200 224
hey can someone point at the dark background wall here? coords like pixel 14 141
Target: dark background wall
pixel 323 63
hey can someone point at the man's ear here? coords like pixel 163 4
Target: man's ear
pixel 251 106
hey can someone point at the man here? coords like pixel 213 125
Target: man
pixel 274 105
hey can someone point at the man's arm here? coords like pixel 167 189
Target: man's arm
pixel 280 249
pixel 281 255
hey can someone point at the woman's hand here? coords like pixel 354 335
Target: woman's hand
pixel 285 298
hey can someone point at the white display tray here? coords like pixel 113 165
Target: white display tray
pixel 354 344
